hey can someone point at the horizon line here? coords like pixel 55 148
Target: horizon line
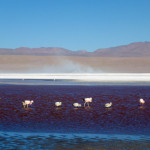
pixel 75 50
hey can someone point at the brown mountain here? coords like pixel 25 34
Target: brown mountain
pixel 43 51
pixel 138 49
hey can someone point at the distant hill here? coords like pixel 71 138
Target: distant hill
pixel 138 49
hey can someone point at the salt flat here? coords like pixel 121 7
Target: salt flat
pixel 108 77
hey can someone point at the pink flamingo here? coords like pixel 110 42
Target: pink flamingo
pixel 27 102
pixel 87 101
pixel 142 102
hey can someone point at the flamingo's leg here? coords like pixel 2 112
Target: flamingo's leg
pixel 88 104
pixel 23 104
pixel 84 104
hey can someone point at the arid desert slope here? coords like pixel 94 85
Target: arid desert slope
pixel 131 58
pixel 73 64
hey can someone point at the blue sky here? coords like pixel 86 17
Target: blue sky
pixel 73 24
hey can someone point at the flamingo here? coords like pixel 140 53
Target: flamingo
pixel 108 104
pixel 27 102
pixel 76 105
pixel 142 102
pixel 58 103
pixel 87 101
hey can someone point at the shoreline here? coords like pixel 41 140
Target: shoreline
pixel 68 82
pixel 76 79
pixel 101 77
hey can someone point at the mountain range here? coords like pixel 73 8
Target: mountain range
pixel 137 49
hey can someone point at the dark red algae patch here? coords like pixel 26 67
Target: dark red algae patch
pixel 125 116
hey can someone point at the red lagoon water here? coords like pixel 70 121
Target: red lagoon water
pixel 125 116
